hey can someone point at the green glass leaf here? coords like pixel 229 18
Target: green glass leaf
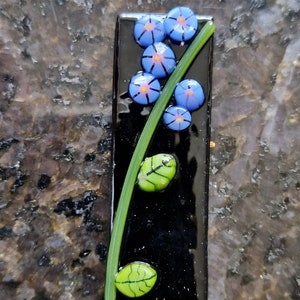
pixel 156 172
pixel 136 279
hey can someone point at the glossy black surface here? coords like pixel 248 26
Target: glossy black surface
pixel 167 229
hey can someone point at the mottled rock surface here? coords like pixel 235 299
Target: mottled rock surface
pixel 55 114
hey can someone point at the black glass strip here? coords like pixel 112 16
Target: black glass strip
pixel 166 229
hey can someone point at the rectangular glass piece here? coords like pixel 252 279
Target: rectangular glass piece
pixel 166 229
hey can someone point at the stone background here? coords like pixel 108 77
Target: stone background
pixel 56 60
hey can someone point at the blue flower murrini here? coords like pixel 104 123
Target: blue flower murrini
pixel 189 94
pixel 177 118
pixel 181 24
pixel 159 60
pixel 149 29
pixel 144 88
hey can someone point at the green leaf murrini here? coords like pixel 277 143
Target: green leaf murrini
pixel 139 154
pixel 157 172
pixel 136 279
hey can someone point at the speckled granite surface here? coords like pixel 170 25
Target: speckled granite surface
pixel 55 107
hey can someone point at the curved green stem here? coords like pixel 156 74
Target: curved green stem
pixel 139 153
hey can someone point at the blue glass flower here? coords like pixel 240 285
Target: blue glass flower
pixel 144 88
pixel 149 30
pixel 177 118
pixel 159 60
pixel 181 24
pixel 189 94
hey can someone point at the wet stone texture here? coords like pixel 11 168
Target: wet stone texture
pixel 55 137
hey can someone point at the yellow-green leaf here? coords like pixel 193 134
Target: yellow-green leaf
pixel 136 279
pixel 156 172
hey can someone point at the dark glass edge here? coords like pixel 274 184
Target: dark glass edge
pixel 114 118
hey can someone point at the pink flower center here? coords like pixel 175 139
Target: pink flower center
pixel 179 118
pixel 149 26
pixel 189 92
pixel 144 89
pixel 181 20
pixel 157 58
